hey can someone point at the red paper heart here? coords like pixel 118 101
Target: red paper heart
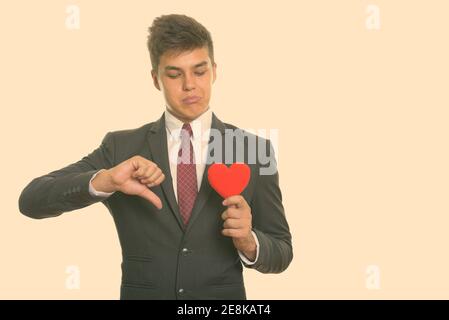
pixel 228 181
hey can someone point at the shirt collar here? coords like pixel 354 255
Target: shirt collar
pixel 200 125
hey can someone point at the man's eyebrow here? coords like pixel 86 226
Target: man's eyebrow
pixel 195 66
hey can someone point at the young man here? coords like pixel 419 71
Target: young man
pixel 179 238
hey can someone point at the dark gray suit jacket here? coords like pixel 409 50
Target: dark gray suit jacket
pixel 162 259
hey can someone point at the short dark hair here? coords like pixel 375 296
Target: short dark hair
pixel 177 33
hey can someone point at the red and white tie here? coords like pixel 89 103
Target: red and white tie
pixel 186 174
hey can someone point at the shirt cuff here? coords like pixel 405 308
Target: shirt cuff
pixel 245 259
pixel 96 193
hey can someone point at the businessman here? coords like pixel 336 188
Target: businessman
pixel 180 239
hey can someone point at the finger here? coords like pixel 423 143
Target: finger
pixel 150 171
pixel 231 212
pixel 236 200
pixel 142 166
pixel 224 215
pixel 139 172
pixel 145 172
pixel 156 174
pixel 160 179
pixel 137 164
pixel 152 197
pixel 233 224
pixel 230 232
pixel 157 182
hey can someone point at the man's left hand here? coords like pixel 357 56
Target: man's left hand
pixel 238 224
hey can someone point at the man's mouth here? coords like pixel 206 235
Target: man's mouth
pixel 191 100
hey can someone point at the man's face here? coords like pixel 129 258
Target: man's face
pixel 186 80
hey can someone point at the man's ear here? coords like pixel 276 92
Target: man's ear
pixel 214 72
pixel 155 80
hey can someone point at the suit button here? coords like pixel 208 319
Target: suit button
pixel 181 291
pixel 185 251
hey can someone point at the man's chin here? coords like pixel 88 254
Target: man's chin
pixel 191 113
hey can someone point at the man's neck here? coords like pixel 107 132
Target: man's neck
pixel 183 119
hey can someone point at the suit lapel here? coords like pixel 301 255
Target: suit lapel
pixel 205 188
pixel 158 144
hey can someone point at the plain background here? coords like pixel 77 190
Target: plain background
pixel 363 135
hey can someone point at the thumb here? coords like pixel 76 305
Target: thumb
pixel 152 197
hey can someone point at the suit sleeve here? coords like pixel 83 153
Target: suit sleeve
pixel 66 189
pixel 270 223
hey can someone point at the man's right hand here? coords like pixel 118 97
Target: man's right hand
pixel 134 177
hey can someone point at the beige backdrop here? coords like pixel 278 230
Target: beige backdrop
pixel 358 90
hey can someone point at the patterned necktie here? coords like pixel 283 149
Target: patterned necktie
pixel 186 174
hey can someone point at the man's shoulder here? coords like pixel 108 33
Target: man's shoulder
pixel 129 137
pixel 249 134
pixel 133 132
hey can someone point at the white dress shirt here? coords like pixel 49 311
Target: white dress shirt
pixel 200 138
pixel 201 131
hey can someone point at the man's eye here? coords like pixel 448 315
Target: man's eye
pixel 173 76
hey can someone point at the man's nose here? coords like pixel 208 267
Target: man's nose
pixel 189 82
